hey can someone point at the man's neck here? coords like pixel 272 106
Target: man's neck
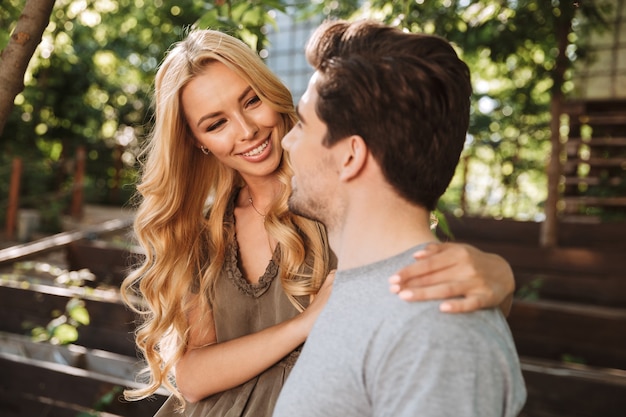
pixel 378 228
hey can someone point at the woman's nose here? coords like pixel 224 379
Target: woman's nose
pixel 248 127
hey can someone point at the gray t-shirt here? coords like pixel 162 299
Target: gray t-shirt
pixel 372 354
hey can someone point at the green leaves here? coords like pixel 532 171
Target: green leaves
pixel 512 50
pixel 77 312
pixel 245 20
pixel 63 329
pixel 92 75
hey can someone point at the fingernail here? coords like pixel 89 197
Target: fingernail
pixel 405 294
pixel 394 279
pixel 445 307
pixel 394 288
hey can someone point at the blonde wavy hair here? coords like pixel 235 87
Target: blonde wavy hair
pixel 184 247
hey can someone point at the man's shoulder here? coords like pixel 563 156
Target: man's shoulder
pixel 422 327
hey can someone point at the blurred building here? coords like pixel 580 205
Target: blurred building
pixel 603 75
pixel 286 52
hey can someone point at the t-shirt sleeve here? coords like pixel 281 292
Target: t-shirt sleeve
pixel 438 365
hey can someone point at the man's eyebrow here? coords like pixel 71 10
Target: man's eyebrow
pixel 210 115
pixel 299 114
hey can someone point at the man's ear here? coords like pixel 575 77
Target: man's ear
pixel 354 157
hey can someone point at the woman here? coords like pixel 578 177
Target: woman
pixel 231 291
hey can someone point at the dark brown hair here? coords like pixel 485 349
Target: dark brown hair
pixel 407 95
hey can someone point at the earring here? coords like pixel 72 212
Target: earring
pixel 204 150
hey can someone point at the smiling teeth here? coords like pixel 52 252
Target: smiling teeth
pixel 256 151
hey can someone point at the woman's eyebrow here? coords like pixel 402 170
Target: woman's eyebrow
pixel 217 113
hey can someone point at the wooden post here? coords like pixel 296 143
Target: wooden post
pixel 14 196
pixel 117 158
pixel 76 210
pixel 463 202
pixel 549 228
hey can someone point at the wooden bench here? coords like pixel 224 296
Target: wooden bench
pixel 25 305
pixel 60 240
pixel 557 389
pixel 110 264
pixel 570 331
pixel 43 379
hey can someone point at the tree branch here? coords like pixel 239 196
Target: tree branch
pixel 16 55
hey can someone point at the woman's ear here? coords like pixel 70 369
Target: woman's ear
pixel 354 157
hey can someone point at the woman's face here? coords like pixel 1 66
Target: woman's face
pixel 227 117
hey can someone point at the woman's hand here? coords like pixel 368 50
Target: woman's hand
pixel 318 301
pixel 467 278
pixel 208 367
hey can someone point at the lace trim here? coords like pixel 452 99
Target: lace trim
pixel 231 266
pixel 236 277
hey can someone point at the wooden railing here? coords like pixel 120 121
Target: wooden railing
pixel 88 375
pixel 569 317
pixel 595 167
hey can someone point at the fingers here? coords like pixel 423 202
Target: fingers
pixel 455 295
pixel 465 277
pixel 435 264
pixel 446 290
pixel 327 286
pixel 435 274
pixel 463 305
pixel 330 278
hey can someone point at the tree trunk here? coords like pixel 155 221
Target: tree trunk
pixel 16 55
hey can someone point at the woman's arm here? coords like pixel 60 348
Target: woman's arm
pixel 465 277
pixel 209 367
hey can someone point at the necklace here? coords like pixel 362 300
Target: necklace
pixel 252 204
pixel 269 241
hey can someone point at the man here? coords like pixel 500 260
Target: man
pixel 382 125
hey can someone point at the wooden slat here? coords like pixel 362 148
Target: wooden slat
pixel 109 264
pixel 65 387
pixel 593 288
pixel 600 141
pixel 594 106
pixel 552 330
pixel 557 389
pixel 59 240
pixel 593 275
pixel 598 162
pixel 94 360
pixel 563 260
pixel 111 322
pixel 591 181
pixel 592 269
pixel 595 201
pixel 606 119
pixel 608 235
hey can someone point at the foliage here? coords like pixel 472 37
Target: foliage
pixel 102 403
pixel 8 15
pixel 89 85
pixel 511 48
pixel 243 19
pixel 63 328
pixel 531 291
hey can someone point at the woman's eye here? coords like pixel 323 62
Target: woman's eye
pixel 215 125
pixel 254 100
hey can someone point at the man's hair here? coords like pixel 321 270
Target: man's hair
pixel 407 95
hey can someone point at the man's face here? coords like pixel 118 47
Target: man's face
pixel 314 171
